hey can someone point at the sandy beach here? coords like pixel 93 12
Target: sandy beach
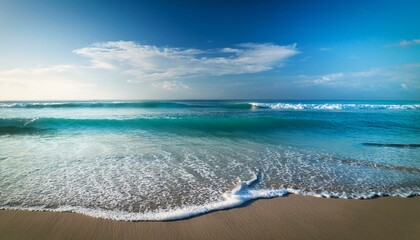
pixel 291 217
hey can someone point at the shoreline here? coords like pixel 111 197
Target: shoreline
pixel 289 217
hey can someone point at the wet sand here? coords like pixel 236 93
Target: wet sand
pixel 291 217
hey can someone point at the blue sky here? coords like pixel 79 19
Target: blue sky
pixel 209 49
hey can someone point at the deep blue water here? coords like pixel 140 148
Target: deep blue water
pixel 156 160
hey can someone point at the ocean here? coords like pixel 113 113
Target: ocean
pixel 169 160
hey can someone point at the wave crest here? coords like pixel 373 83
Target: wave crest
pixel 334 106
pixel 210 104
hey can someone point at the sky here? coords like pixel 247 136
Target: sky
pixel 74 50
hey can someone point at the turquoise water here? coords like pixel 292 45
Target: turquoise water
pixel 163 160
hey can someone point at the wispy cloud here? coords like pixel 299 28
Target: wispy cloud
pixel 345 78
pixel 147 62
pixel 171 85
pixel 327 78
pixel 165 68
pixel 405 43
pixel 60 68
pixel 407 76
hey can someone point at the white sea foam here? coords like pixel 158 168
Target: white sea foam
pixel 241 194
pixel 168 187
pixel 361 195
pixel 334 106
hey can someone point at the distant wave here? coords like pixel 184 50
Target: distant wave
pixel 210 104
pixel 128 104
pixel 334 106
pixel 100 104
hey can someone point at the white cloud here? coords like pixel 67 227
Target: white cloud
pixel 147 62
pixel 405 43
pixel 328 78
pixel 171 85
pixel 369 73
pixel 230 50
pixel 405 76
pixel 156 67
pixel 345 78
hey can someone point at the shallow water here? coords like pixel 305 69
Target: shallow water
pixel 163 160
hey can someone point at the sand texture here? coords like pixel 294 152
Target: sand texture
pixel 291 217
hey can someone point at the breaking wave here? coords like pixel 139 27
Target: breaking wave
pixel 210 104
